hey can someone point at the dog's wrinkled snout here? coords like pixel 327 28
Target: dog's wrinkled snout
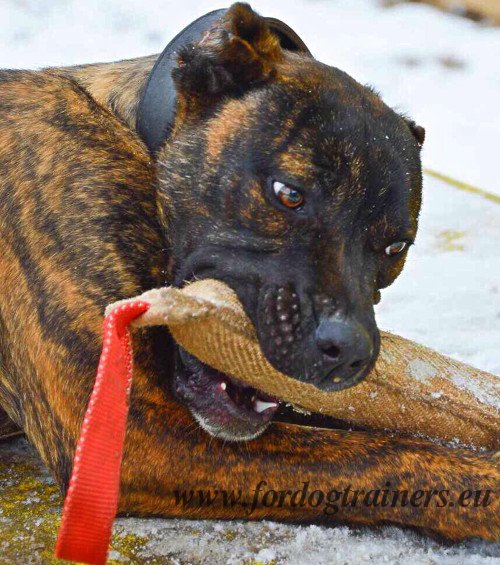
pixel 315 341
pixel 347 351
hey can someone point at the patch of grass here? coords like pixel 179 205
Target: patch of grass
pixel 30 514
pixel 450 240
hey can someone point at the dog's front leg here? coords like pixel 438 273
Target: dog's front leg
pixel 293 473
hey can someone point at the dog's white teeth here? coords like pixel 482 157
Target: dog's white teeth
pixel 260 405
pixel 223 385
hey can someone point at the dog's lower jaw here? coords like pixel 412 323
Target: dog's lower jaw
pixel 220 432
pixel 223 406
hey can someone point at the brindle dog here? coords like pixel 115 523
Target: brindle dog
pixel 283 177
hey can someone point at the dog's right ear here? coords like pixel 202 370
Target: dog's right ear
pixel 239 53
pixel 417 131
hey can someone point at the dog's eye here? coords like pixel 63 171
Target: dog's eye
pixel 396 248
pixel 289 197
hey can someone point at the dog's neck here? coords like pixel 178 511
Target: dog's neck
pixel 117 86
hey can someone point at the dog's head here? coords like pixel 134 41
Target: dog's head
pixel 298 187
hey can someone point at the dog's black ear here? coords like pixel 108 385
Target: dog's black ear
pixel 417 131
pixel 237 54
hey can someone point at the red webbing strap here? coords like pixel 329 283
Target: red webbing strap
pixel 92 499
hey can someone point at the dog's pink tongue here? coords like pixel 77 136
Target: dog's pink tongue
pixel 92 498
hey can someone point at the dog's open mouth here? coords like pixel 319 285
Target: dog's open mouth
pixel 223 406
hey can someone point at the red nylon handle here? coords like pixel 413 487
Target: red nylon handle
pixel 92 498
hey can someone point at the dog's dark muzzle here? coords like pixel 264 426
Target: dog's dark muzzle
pixel 303 334
pixel 331 352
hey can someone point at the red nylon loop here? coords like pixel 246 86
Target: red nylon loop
pixel 92 498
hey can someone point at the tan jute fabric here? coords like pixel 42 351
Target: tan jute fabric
pixel 412 389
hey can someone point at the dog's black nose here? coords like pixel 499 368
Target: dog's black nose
pixel 347 351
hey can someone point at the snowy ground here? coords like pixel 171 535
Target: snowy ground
pixel 441 70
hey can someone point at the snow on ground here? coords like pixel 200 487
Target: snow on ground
pixel 441 70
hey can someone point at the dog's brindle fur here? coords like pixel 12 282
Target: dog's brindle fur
pixel 79 228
